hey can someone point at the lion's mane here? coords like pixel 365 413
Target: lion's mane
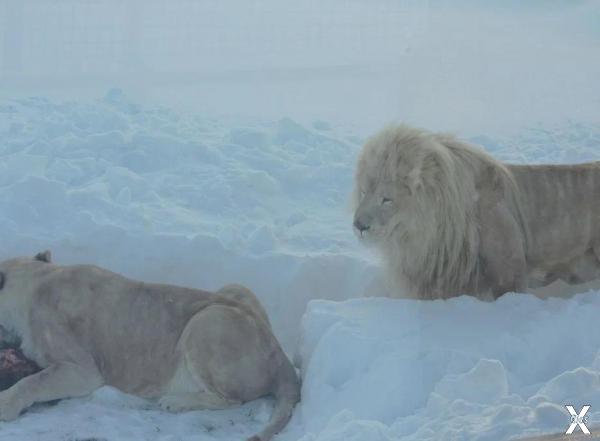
pixel 439 256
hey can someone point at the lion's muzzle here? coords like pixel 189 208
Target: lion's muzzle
pixel 360 226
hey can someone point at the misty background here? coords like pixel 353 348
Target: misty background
pixel 464 66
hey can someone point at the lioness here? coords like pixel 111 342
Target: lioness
pixel 190 349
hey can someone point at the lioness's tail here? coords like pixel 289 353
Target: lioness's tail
pixel 287 394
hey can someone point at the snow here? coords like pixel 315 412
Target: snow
pixel 448 370
pixel 168 196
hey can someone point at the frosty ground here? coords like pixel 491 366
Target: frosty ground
pixel 173 197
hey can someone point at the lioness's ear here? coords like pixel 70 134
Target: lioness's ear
pixel 44 256
pixel 2 279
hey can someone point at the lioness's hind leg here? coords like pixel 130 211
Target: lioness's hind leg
pixel 182 402
pixel 228 352
pixel 239 293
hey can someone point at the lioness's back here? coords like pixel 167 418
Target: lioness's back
pixel 102 307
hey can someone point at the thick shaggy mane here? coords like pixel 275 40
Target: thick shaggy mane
pixel 437 252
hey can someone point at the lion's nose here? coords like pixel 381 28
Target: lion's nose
pixel 360 226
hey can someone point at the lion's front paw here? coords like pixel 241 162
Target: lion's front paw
pixel 8 409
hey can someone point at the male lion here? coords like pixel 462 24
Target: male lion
pixel 449 219
pixel 191 349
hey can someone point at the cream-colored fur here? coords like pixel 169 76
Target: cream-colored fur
pixel 187 348
pixel 449 219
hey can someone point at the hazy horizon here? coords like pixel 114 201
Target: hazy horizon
pixel 458 66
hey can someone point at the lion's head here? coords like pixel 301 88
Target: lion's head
pixel 398 171
pixel 414 199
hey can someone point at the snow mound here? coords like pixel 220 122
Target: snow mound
pixel 176 198
pixel 197 201
pixel 382 369
pixel 486 383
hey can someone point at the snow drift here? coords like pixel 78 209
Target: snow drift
pixel 177 198
pixel 461 369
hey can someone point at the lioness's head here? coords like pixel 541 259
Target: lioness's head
pixel 395 168
pixel 10 265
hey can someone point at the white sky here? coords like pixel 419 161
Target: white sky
pixel 466 66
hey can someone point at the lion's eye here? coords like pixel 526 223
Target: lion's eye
pixel 385 201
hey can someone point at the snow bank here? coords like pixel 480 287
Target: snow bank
pixel 164 196
pixel 382 369
pixel 176 198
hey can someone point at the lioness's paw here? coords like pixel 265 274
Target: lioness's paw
pixel 8 410
pixel 173 404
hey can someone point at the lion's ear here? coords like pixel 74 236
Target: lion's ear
pixel 44 256
pixel 424 170
pixel 414 180
pixel 490 185
pixel 421 170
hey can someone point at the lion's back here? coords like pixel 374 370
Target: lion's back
pixel 561 206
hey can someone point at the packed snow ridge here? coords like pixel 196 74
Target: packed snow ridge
pixel 195 201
